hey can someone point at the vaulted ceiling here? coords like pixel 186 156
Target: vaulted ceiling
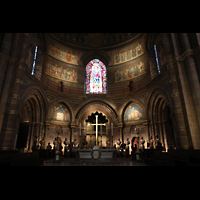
pixel 95 40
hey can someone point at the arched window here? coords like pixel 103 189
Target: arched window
pixel 156 55
pixel 60 87
pixel 35 55
pixel 95 77
pixel 131 86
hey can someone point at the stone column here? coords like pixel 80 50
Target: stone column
pixel 5 57
pixel 198 38
pixel 41 133
pixel 120 126
pixel 147 131
pixel 47 124
pixel 72 132
pixel 188 93
pixel 32 133
pixel 8 139
pixel 153 134
pixel 191 72
pixel 181 138
pixel 156 129
pixel 12 65
pixel 164 135
pixel 160 133
pixel 28 137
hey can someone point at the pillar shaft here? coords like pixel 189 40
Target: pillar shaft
pixel 181 138
pixel 190 86
pixel 7 138
pixel 5 50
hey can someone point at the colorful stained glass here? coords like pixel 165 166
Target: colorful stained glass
pixel 95 77
pixel 157 59
pixel 35 55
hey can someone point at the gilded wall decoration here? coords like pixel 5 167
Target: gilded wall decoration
pixel 131 54
pixel 65 56
pixel 130 73
pixel 61 73
pixel 60 114
pixel 133 113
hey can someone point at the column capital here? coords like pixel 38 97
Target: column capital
pixel 73 125
pixel 120 125
pixel 47 123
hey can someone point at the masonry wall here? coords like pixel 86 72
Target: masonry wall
pixel 153 92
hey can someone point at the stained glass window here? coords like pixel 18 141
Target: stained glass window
pixel 156 55
pixel 95 77
pixel 35 55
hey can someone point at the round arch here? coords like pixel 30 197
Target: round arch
pixel 35 103
pixel 151 97
pixel 161 124
pixel 36 93
pixel 96 77
pixel 131 100
pixel 94 106
pixel 65 103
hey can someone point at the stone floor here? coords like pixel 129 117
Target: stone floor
pixel 75 162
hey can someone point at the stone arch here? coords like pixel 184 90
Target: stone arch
pixel 153 93
pixel 99 54
pixel 36 103
pixel 110 104
pixel 161 125
pixel 151 37
pixel 36 93
pixel 99 106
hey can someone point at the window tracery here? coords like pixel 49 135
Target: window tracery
pixel 96 77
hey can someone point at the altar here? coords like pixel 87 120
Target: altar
pixel 95 154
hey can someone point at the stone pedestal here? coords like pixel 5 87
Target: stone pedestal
pixel 57 157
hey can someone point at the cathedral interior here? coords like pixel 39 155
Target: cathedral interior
pixel 137 85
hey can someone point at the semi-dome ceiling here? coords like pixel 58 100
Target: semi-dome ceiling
pixel 95 40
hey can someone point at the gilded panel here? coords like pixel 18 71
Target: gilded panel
pixel 65 56
pixel 129 73
pixel 61 72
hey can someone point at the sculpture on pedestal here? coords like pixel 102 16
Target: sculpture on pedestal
pixel 57 144
pixel 159 144
pixel 35 146
pixel 137 138
pixel 127 147
pixel 118 142
pixel 75 144
pixel 49 147
pixel 142 141
pixel 42 143
pixel 84 142
pixel 151 143
pixel 108 143
pixel 66 143
pixel 127 142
